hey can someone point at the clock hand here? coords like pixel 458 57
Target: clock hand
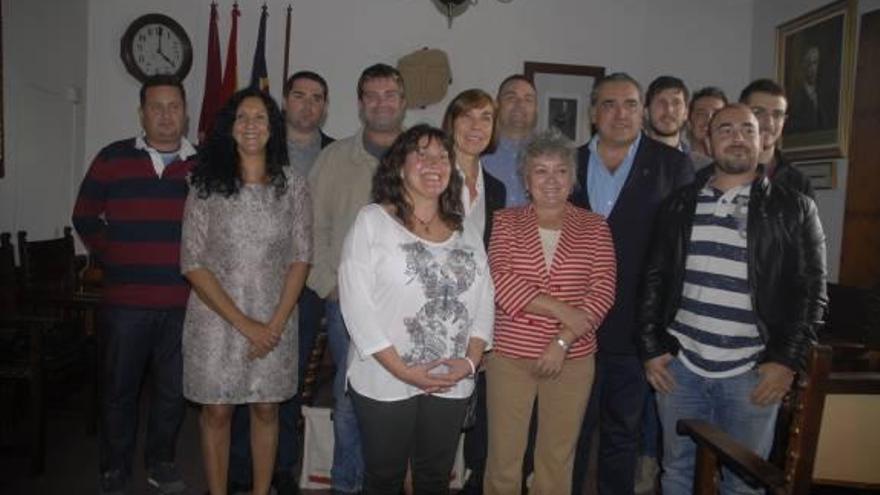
pixel 166 59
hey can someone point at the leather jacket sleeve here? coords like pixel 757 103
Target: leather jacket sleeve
pixel 657 278
pixel 790 345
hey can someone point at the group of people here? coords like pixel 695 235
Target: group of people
pixel 480 274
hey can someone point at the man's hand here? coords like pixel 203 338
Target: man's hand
pixel 333 295
pixel 775 381
pixel 658 374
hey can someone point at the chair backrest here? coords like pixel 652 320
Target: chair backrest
pixel 826 443
pixel 8 275
pixel 807 437
pixel 47 266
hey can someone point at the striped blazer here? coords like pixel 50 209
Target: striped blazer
pixel 583 273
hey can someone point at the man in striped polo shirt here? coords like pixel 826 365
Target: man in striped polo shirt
pixel 128 214
pixel 734 291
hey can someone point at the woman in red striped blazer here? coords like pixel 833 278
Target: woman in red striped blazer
pixel 554 270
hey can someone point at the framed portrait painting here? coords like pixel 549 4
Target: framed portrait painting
pixel 564 96
pixel 814 64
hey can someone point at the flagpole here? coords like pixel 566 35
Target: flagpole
pixel 211 99
pixel 287 44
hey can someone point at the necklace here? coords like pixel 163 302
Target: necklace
pixel 425 223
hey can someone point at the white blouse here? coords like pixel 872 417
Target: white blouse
pixel 427 299
pixel 474 208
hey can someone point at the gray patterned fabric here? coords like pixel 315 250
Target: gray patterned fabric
pixel 248 242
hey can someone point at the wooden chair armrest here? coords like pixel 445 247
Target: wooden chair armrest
pixel 732 454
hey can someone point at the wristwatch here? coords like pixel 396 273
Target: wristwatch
pixel 562 343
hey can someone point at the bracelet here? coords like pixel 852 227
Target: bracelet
pixel 561 342
pixel 473 368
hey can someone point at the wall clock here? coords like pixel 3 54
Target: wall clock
pixel 156 44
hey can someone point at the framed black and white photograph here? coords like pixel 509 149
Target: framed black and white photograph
pixel 564 96
pixel 562 113
pixel 815 66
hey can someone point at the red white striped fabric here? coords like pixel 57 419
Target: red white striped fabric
pixel 583 273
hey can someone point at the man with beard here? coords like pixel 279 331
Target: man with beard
pixel 340 184
pixel 734 291
pixel 517 116
pixel 624 176
pixel 666 110
pixel 770 106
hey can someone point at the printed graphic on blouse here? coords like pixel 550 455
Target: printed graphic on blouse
pixel 440 327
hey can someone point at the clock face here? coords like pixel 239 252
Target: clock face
pixel 156 44
pixel 157 50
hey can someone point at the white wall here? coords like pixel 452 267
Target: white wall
pixel 831 202
pixel 44 52
pixel 339 38
pixel 703 41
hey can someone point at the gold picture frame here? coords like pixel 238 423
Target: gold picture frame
pixel 815 55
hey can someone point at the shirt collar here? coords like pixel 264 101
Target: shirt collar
pixel 185 151
pixel 314 143
pixel 594 147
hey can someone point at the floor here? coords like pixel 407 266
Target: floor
pixel 72 453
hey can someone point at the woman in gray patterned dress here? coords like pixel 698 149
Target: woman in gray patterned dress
pixel 245 250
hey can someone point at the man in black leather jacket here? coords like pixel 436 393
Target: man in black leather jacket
pixel 733 294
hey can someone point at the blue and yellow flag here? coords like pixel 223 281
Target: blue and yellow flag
pixel 259 74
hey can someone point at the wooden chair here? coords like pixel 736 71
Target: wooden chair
pixel 48 268
pixel 22 385
pixel 23 364
pixel 822 408
pixel 8 276
pixel 43 346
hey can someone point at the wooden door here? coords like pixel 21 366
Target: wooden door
pixel 860 250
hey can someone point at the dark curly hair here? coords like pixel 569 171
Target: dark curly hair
pixel 388 181
pixel 217 170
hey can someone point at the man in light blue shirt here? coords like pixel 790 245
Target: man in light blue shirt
pixel 517 116
pixel 624 175
pixel 604 183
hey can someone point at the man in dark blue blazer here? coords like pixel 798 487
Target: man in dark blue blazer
pixel 623 175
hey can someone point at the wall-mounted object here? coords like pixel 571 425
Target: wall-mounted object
pixel 563 92
pixel 426 76
pixel 156 44
pixel 454 8
pixel 815 65
pixel 822 173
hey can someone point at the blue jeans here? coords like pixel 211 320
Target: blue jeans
pixel 310 309
pixel 134 340
pixel 721 401
pixel 347 472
